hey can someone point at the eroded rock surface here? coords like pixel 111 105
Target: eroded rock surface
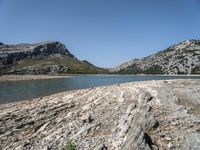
pixel 180 58
pixel 141 115
pixel 50 57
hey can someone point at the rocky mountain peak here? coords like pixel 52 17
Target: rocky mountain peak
pixel 181 58
pixel 51 47
pixel 13 54
pixel 186 45
pixel 48 47
pixel 41 58
pixel 124 65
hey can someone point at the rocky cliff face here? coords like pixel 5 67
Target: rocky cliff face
pixel 182 58
pixel 40 58
pixel 11 54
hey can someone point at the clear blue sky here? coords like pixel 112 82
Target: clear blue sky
pixel 104 32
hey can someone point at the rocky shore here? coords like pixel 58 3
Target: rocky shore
pixel 28 77
pixel 132 116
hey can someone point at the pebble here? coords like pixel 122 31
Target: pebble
pixel 86 118
pixel 168 138
pixel 174 123
pixel 170 145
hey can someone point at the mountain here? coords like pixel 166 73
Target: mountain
pixel 181 58
pixel 42 58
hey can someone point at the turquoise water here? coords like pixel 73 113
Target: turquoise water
pixel 21 90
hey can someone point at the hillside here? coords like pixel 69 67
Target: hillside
pixel 181 58
pixel 42 58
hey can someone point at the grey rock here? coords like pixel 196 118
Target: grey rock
pixel 40 69
pixel 174 123
pixel 149 121
pixel 40 58
pixel 137 139
pixel 170 145
pixel 9 54
pixel 89 118
pixel 154 147
pixel 144 99
pixel 181 58
pixel 168 138
pixel 192 142
pixel 102 147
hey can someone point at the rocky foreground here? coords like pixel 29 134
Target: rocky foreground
pixel 141 115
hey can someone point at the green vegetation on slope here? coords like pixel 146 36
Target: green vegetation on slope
pixel 69 145
pixel 155 69
pixel 73 64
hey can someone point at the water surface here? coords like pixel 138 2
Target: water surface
pixel 23 90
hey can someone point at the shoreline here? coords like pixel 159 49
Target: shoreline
pixel 44 77
pixel 88 88
pixel 108 116
pixel 30 77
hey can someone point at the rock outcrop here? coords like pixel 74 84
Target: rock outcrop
pixel 141 115
pixel 41 58
pixel 11 54
pixel 182 58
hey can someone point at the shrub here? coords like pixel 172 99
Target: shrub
pixel 69 145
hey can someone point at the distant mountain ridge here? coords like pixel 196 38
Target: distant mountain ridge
pixel 181 58
pixel 52 57
pixel 41 58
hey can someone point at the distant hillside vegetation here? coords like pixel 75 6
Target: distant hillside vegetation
pixel 181 58
pixel 42 58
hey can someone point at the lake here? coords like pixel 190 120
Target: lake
pixel 24 90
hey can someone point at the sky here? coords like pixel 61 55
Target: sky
pixel 104 32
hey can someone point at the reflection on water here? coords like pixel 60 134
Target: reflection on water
pixel 21 90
